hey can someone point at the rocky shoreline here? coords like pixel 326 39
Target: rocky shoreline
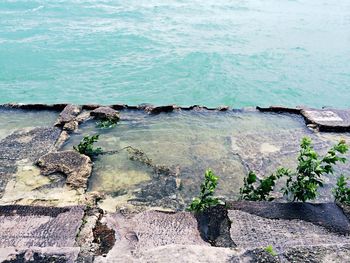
pixel 48 213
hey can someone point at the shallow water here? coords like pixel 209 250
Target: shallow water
pixel 238 53
pixel 188 143
pixel 13 120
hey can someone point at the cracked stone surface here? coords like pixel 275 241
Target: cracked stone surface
pixel 148 230
pixel 39 233
pixel 249 231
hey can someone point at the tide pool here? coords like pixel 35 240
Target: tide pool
pixel 238 53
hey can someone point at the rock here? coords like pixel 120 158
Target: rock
pixel 223 108
pixel 280 109
pixel 64 136
pixel 288 225
pixel 67 115
pixel 75 166
pixel 105 113
pixel 165 109
pixel 82 117
pixel 327 215
pixel 328 120
pixel 137 234
pixel 71 126
pixel 37 226
pixel 215 225
pixel 26 145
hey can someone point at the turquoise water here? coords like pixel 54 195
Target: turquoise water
pixel 233 52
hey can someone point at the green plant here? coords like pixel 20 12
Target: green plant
pixel 342 191
pixel 86 146
pixel 255 189
pixel 206 197
pixel 269 249
pixel 302 185
pixel 106 124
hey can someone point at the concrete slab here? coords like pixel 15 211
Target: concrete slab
pixel 149 230
pixel 289 225
pixel 328 119
pixel 33 226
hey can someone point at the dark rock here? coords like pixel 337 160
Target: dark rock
pixel 214 225
pixel 55 107
pixel 105 113
pixel 90 106
pixel 280 109
pixel 119 106
pixel 104 237
pixel 33 256
pixel 223 108
pixel 75 166
pixel 160 109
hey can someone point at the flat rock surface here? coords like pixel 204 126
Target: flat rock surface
pixel 328 119
pixel 327 215
pixel 31 226
pixel 284 226
pixel 27 145
pixel 149 230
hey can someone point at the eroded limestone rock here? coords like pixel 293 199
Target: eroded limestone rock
pixel 66 119
pixel 75 166
pixel 105 113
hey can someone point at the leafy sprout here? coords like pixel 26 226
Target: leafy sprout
pixel 206 197
pixel 86 146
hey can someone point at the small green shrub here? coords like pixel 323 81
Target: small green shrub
pixel 255 189
pixel 106 124
pixel 342 191
pixel 302 185
pixel 86 146
pixel 206 197
pixel 269 249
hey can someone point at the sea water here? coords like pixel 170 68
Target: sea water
pixel 233 52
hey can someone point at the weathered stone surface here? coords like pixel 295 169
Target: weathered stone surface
pixel 148 230
pixel 105 113
pixel 85 239
pixel 328 119
pixel 284 226
pixel 39 255
pixel 31 226
pixel 75 166
pixel 26 145
pixel 327 215
pixel 83 116
pixel 67 115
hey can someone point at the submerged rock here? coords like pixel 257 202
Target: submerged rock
pixel 105 113
pixel 75 166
